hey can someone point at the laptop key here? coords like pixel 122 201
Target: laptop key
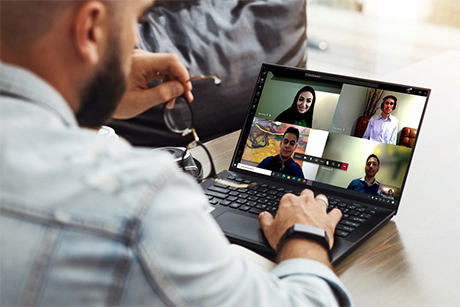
pixel 357 219
pixel 217 189
pixel 341 233
pixel 344 228
pixel 216 194
pixel 224 202
pixel 256 210
pixel 349 223
pixel 244 208
pixel 235 205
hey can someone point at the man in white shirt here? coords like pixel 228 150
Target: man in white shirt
pixel 383 127
pixel 87 220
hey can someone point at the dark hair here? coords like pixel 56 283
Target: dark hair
pixel 373 156
pixel 292 130
pixel 385 99
pixel 309 114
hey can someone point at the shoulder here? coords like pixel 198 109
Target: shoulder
pixel 283 116
pixel 355 182
pixel 80 162
pixel 294 164
pixel 267 160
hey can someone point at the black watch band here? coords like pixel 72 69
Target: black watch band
pixel 308 232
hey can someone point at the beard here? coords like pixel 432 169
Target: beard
pixel 101 96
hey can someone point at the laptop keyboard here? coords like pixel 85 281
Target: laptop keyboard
pixel 265 197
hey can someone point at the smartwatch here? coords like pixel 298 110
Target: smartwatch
pixel 315 234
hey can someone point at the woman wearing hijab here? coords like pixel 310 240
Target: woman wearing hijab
pixel 301 111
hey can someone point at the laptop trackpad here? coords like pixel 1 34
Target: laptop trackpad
pixel 242 227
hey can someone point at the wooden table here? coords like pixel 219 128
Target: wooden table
pixel 415 259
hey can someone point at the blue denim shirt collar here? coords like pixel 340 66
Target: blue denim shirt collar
pixel 20 82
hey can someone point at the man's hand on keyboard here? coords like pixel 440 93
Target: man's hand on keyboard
pixel 304 209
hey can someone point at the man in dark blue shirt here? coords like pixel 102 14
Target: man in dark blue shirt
pixel 283 163
pixel 368 184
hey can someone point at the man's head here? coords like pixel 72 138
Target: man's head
pixel 372 166
pixel 82 48
pixel 388 104
pixel 289 143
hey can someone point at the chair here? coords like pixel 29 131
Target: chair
pixel 408 137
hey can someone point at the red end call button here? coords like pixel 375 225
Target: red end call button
pixel 344 166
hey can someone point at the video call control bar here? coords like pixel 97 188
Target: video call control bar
pixel 321 161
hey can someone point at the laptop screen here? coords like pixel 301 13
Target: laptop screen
pixel 333 132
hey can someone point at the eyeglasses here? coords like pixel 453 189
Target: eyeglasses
pixel 179 119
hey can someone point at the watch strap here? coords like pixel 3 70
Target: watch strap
pixel 312 233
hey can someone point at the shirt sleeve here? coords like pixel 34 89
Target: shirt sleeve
pixel 299 172
pixel 189 261
pixel 264 163
pixel 352 185
pixel 394 134
pixel 368 129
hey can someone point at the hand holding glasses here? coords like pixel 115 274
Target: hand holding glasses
pixel 179 119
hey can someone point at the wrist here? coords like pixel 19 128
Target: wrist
pixel 305 232
pixel 303 248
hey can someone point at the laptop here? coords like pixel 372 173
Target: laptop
pixel 349 128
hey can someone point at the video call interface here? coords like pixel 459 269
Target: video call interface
pixel 318 129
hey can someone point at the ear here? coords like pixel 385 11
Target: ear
pixel 91 31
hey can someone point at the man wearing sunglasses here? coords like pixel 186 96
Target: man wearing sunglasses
pixel 87 220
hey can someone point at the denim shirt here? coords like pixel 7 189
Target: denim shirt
pixel 87 220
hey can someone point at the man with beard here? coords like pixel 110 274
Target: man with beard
pixel 283 163
pixel 87 220
pixel 368 184
pixel 383 127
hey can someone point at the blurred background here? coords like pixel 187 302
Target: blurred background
pixel 371 38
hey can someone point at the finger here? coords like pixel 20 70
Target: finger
pixel 168 64
pixel 334 216
pixel 170 104
pixel 307 193
pixel 323 199
pixel 265 220
pixel 189 96
pixel 165 92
